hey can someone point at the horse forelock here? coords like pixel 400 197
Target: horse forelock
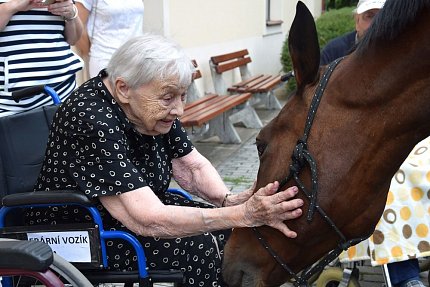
pixel 391 21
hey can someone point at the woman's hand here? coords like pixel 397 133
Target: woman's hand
pixel 63 8
pixel 266 207
pixel 239 198
pixel 69 12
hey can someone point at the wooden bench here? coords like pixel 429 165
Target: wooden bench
pixel 261 86
pixel 209 115
pixel 213 112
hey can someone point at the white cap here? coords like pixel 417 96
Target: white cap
pixel 366 5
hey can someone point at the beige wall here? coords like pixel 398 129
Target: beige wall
pixel 215 21
pixel 211 27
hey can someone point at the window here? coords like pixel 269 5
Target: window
pixel 273 13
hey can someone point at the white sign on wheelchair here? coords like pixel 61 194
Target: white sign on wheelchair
pixel 74 246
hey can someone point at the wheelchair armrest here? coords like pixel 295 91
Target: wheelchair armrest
pixel 46 197
pixel 25 255
pixel 180 192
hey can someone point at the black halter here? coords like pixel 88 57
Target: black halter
pixel 301 156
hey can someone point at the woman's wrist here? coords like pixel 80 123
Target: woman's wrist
pixel 224 201
pixel 74 16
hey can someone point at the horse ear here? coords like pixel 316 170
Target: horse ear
pixel 304 47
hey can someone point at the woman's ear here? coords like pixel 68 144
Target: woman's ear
pixel 122 91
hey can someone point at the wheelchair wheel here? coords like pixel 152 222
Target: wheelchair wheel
pixel 332 276
pixel 63 269
pixel 69 273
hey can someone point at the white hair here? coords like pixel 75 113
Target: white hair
pixel 148 57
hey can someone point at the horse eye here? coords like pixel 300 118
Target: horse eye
pixel 261 147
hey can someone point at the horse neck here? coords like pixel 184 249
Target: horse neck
pixel 394 80
pixel 385 94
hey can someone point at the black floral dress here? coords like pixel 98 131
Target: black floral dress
pixel 94 149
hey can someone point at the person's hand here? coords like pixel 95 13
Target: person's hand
pixel 266 207
pixel 239 198
pixel 63 8
pixel 24 5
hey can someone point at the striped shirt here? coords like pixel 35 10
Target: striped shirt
pixel 33 51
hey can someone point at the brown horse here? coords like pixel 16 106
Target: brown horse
pixel 374 109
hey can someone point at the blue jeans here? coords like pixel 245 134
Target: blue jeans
pixel 403 271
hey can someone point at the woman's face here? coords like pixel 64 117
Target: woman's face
pixel 153 107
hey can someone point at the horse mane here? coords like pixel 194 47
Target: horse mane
pixel 391 21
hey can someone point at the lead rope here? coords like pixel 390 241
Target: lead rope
pixel 300 157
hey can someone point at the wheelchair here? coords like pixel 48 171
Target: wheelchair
pixel 23 139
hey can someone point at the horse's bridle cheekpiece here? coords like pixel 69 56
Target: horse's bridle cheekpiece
pixel 301 156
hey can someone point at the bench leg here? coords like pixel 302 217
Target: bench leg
pixel 197 133
pixel 248 116
pixel 222 127
pixel 272 102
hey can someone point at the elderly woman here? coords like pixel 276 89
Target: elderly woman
pixel 118 140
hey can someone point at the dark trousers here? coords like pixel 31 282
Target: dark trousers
pixel 403 271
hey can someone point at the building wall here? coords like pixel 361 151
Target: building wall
pixel 210 27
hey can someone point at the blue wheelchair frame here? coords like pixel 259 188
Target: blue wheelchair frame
pixel 14 201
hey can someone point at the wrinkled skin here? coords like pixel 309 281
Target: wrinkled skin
pixel 373 111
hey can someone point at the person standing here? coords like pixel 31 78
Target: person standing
pixel 35 49
pixel 342 45
pixel 109 24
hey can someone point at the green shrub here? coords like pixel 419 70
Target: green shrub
pixel 329 25
pixel 337 4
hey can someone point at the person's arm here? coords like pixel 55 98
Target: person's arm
pixel 73 25
pixel 83 44
pixel 197 175
pixel 73 28
pixel 143 213
pixel 8 9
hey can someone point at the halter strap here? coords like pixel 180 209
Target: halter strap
pixel 301 154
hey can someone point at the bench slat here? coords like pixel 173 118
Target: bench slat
pixel 214 102
pixel 197 115
pixel 245 82
pixel 220 68
pixel 252 86
pixel 205 105
pixel 199 101
pixel 261 84
pixel 230 56
pixel 257 83
pixel 270 84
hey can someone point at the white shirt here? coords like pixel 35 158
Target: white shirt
pixel 110 24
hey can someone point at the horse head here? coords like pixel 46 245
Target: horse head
pixel 372 110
